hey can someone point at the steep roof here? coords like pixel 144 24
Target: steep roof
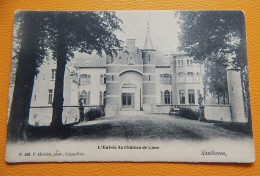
pixel 89 60
pixel 148 44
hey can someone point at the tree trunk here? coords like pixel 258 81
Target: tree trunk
pixel 59 82
pixel 206 80
pixel 58 94
pixel 218 96
pixel 18 119
pixel 224 97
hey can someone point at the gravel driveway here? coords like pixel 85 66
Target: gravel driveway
pixel 151 126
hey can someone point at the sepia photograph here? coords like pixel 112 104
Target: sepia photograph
pixel 129 86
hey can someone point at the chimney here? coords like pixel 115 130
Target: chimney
pixel 130 44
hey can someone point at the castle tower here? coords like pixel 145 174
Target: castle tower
pixel 174 82
pixel 235 94
pixel 149 84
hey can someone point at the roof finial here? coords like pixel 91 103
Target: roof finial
pixel 148 45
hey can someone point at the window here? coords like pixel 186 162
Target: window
pixel 85 79
pixel 191 96
pixel 86 97
pixel 189 62
pixel 190 77
pixel 181 77
pixel 100 98
pixel 149 57
pixel 53 74
pixel 167 97
pixel 104 97
pixel 180 62
pixel 198 78
pixel 165 79
pixel 182 96
pixel 149 77
pixel 112 77
pixel 50 96
pixel 103 79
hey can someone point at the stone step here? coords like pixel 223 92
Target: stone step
pixel 132 112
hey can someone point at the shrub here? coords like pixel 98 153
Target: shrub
pixel 189 113
pixel 95 113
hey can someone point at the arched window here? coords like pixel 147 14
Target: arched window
pixel 167 97
pixel 86 97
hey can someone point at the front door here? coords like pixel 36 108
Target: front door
pixel 127 100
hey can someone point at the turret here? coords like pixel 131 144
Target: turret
pixel 149 86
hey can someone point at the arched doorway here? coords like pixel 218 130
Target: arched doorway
pixel 131 91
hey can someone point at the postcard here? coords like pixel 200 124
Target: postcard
pixel 129 86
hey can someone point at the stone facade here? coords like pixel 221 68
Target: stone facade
pixel 134 80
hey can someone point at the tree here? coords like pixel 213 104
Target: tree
pixel 32 48
pixel 218 81
pixel 216 38
pixel 204 33
pixel 83 31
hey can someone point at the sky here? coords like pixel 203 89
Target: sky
pixel 163 28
